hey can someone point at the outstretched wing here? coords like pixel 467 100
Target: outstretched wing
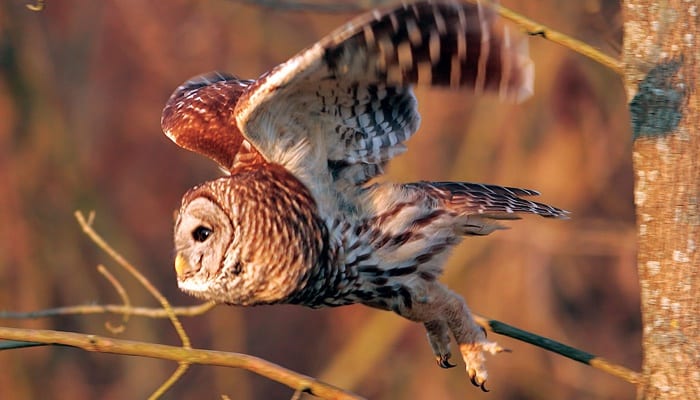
pixel 199 117
pixel 338 111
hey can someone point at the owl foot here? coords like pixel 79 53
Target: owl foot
pixel 473 356
pixel 443 361
pixel 438 336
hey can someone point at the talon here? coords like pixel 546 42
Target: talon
pixel 483 387
pixel 472 378
pixel 444 362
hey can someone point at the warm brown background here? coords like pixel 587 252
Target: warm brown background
pixel 82 85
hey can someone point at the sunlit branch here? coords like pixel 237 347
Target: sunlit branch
pixel 488 324
pixel 109 309
pixel 122 294
pixel 531 27
pixel 86 225
pixel 536 29
pixel 594 361
pixel 101 344
pixel 38 6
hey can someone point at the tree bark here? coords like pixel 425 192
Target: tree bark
pixel 661 53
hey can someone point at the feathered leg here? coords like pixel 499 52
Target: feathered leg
pixel 436 299
pixel 439 338
pixel 411 234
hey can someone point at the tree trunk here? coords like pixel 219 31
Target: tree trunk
pixel 661 53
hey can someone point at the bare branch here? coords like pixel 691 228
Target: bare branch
pixel 502 328
pixel 256 365
pixel 87 309
pixel 531 27
pixel 38 6
pixel 122 294
pixel 15 344
pixel 177 374
pixel 536 29
pixel 87 229
pixel 490 325
pixel 86 225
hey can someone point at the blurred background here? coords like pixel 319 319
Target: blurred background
pixel 82 86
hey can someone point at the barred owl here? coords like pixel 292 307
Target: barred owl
pixel 296 220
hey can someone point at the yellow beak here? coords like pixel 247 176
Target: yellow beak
pixel 181 265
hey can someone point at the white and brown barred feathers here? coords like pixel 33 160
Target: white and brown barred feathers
pixel 338 111
pixel 334 114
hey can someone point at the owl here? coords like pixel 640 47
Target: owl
pixel 297 218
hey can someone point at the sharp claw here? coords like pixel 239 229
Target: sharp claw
pixel 444 362
pixel 483 387
pixel 474 359
pixel 472 378
pixel 475 381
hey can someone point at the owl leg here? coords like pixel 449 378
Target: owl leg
pixel 471 340
pixel 439 338
pixel 449 310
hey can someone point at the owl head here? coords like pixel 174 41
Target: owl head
pixel 248 238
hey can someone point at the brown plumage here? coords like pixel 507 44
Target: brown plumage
pixel 296 220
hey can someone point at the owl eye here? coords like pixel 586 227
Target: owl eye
pixel 201 233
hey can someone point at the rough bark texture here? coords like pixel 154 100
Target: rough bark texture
pixel 661 53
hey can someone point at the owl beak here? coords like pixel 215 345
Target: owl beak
pixel 181 265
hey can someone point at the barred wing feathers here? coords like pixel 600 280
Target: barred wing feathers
pixel 335 113
pixel 199 117
pixel 486 201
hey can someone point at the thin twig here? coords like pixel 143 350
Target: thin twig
pixel 17 344
pixel 531 27
pixel 177 374
pixel 559 348
pixel 297 394
pixel 86 225
pixel 102 344
pixel 122 294
pixel 38 6
pixel 87 229
pixel 536 29
pixel 86 309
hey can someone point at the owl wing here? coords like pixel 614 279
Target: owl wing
pixel 336 112
pixel 486 201
pixel 199 117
